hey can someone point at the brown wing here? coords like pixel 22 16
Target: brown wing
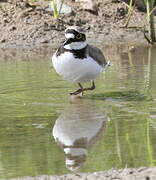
pixel 97 55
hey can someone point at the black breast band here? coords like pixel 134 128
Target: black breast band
pixel 78 53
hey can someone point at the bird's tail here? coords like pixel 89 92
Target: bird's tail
pixel 107 64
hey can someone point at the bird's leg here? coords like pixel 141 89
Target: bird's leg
pixel 90 88
pixel 78 91
pixel 83 89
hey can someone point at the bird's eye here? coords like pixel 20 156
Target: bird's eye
pixel 79 36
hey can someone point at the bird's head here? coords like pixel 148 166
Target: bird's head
pixel 75 38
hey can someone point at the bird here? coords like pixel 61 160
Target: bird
pixel 77 61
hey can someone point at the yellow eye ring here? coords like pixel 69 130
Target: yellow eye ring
pixel 79 36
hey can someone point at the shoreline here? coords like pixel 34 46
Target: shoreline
pixel 142 173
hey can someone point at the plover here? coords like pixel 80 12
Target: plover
pixel 77 61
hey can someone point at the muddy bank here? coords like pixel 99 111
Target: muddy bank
pixel 143 173
pixel 22 25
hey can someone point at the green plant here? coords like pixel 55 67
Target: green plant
pixel 33 1
pixel 130 12
pixel 150 18
pixel 56 8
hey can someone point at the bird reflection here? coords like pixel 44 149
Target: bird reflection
pixel 77 129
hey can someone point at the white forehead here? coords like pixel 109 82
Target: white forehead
pixel 74 28
pixel 69 35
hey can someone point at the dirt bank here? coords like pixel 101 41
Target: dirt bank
pixel 122 174
pixel 23 25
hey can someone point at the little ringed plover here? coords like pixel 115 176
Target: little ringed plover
pixel 77 61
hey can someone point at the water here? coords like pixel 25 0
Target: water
pixel 44 131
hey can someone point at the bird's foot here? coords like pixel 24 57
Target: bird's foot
pixel 77 92
pixel 81 90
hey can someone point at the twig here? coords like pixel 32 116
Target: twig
pixel 130 12
pixel 61 6
pixel 146 37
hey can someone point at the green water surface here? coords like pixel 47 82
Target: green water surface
pixel 33 99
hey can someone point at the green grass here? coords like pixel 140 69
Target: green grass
pixel 130 12
pixel 150 18
pixel 56 10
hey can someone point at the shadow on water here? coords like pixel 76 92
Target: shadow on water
pixel 120 95
pixel 77 129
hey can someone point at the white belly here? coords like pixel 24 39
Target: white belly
pixel 75 69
